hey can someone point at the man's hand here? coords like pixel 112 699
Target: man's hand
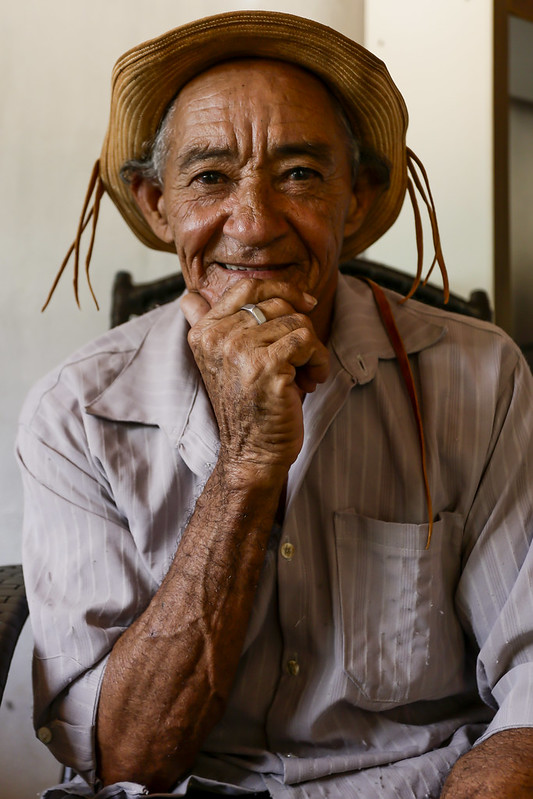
pixel 255 375
pixel 499 768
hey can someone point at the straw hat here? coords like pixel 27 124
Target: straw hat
pixel 146 79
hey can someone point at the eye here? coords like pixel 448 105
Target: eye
pixel 210 178
pixel 300 173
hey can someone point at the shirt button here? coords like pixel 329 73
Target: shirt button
pixel 287 550
pixel 293 667
pixel 44 734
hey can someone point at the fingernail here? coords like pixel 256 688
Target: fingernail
pixel 312 301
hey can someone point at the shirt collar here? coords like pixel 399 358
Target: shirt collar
pixel 160 385
pixel 358 337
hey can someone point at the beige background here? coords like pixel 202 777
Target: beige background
pixel 55 64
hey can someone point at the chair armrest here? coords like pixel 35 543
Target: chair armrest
pixel 13 614
pixel 134 299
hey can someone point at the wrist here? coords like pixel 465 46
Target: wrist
pixel 249 474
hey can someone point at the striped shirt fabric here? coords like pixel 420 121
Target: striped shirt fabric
pixel 370 663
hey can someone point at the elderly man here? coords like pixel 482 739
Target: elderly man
pixel 234 584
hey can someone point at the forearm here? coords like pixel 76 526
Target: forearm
pixel 499 768
pixel 169 675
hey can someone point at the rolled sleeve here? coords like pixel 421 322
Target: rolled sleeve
pixel 85 585
pixel 68 727
pixel 514 695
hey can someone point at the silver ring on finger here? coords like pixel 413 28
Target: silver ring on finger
pixel 256 312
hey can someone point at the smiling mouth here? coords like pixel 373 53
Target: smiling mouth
pixel 251 267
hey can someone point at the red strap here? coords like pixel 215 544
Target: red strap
pixel 395 338
pixel 414 163
pixel 95 187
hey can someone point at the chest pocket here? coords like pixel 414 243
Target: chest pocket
pixel 402 641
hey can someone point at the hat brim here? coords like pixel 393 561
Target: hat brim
pixel 147 78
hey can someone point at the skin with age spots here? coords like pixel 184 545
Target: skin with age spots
pixel 257 183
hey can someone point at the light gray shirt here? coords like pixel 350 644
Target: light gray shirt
pixel 370 663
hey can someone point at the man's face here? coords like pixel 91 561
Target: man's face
pixel 258 180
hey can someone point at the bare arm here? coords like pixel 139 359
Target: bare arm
pixel 499 768
pixel 169 675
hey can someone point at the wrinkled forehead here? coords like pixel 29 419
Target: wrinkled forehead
pixel 265 82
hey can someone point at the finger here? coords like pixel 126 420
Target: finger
pixel 282 320
pixel 308 377
pixel 277 307
pixel 306 384
pixel 306 353
pixel 194 307
pixel 256 291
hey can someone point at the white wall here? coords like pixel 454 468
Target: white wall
pixel 439 52
pixel 55 66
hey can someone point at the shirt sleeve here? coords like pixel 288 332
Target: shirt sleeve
pixel 85 579
pixel 495 592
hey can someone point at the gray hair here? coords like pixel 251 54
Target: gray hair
pixel 151 165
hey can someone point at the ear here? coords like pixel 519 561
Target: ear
pixel 364 195
pixel 151 201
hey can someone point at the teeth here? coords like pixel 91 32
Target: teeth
pixel 234 268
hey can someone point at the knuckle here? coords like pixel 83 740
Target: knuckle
pixel 280 307
pixel 213 339
pixel 229 349
pixel 201 337
pixel 296 338
pixel 303 321
pixel 245 287
pixel 307 337
pixel 301 329
pixel 193 337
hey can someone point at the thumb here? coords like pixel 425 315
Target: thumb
pixel 194 307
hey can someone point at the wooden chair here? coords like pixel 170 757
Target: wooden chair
pixel 13 614
pixel 133 299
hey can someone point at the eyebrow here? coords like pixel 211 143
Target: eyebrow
pixel 198 155
pixel 321 151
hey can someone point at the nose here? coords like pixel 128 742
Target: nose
pixel 256 216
